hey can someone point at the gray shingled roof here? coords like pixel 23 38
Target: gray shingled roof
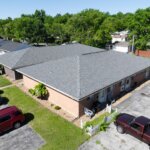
pixel 82 75
pixel 11 46
pixel 36 55
pixel 1 40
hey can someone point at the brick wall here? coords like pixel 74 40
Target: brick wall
pixel 142 53
pixel 116 89
pixel 14 75
pixel 66 103
pixel 10 73
pixel 87 102
pixel 139 78
pixel 77 108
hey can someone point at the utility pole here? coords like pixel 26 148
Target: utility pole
pixel 133 43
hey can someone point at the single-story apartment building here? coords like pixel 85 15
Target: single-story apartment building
pixel 77 75
pixel 35 55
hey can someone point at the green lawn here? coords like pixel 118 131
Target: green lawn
pixel 3 81
pixel 58 133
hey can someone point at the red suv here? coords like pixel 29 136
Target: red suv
pixel 10 117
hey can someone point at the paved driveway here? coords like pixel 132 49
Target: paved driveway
pixel 137 104
pixel 23 138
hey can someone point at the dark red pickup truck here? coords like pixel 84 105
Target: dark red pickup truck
pixel 138 127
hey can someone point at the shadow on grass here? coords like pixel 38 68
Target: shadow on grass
pixel 28 117
pixel 4 100
pixel 1 92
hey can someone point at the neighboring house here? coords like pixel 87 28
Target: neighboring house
pixel 77 75
pixel 119 42
pixel 119 36
pixel 121 47
pixel 10 46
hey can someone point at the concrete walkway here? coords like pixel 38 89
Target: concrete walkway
pixel 24 138
pixel 4 87
pixel 137 104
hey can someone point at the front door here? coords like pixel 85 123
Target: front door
pixel 147 74
pixel 102 96
pixel 110 94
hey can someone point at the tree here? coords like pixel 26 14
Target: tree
pixel 91 27
pixel 140 27
pixel 5 27
pixel 84 25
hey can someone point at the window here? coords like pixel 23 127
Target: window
pixel 147 127
pixel 102 93
pixel 136 126
pixel 109 89
pixel 127 81
pixel 3 119
pixel 16 113
pixel 91 97
pixel 122 82
pixel 97 96
pixel 147 73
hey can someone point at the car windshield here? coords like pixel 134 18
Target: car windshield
pixel 133 120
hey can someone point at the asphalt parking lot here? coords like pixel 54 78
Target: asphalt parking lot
pixel 24 138
pixel 138 104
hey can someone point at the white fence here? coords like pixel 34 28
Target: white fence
pixel 92 130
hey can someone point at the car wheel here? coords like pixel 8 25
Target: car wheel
pixel 17 125
pixel 120 129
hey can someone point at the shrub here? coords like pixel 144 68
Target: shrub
pixel 31 91
pixel 1 69
pixel 87 124
pixel 57 107
pixel 52 105
pixel 98 142
pixel 104 126
pixel 40 91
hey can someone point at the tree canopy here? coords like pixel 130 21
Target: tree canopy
pixel 91 27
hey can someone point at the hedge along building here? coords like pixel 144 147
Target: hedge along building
pixel 77 80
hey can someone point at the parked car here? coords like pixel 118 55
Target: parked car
pixel 10 117
pixel 138 127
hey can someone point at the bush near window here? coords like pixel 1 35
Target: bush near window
pixel 1 69
pixel 31 91
pixel 57 107
pixel 39 91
